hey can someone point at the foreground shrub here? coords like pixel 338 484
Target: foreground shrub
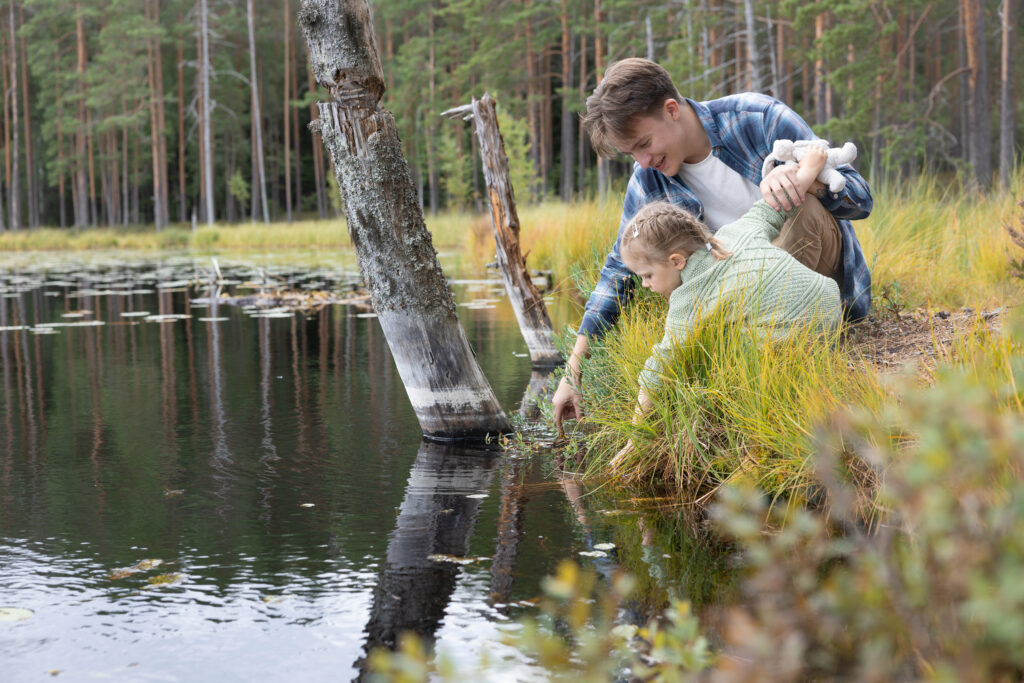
pixel 933 590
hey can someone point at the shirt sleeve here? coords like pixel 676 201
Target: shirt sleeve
pixel 615 286
pixel 854 201
pixel 650 376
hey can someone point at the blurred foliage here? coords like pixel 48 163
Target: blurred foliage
pixel 929 589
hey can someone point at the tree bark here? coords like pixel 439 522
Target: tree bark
pixel 528 304
pixel 318 154
pixel 154 123
pixel 182 207
pixel 753 73
pixel 14 201
pixel 449 394
pixel 977 82
pixel 287 113
pixel 603 166
pixel 1007 105
pixel 207 146
pixel 567 151
pixel 259 190
pixel 30 167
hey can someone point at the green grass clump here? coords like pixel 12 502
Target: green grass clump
pixel 730 402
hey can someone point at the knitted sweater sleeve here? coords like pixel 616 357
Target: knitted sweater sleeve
pixel 760 218
pixel 678 324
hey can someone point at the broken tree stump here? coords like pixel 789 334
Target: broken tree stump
pixel 528 304
pixel 448 391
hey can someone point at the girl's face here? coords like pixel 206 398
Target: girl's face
pixel 660 275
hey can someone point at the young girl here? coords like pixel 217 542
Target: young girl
pixel 675 255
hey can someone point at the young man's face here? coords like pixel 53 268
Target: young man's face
pixel 657 141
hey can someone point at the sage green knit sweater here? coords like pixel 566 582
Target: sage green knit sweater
pixel 773 291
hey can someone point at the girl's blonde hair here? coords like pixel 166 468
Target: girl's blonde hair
pixel 660 229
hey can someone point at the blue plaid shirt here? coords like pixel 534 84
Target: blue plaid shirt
pixel 742 129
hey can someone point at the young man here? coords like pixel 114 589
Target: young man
pixel 707 158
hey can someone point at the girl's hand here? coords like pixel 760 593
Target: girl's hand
pixel 615 464
pixel 811 164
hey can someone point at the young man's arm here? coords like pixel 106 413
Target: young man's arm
pixel 613 290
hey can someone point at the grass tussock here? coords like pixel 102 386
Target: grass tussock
pixel 730 403
pixel 939 246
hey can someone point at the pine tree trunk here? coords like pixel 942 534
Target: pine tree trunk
pixel 287 114
pixel 978 107
pixel 527 303
pixel 154 123
pixel 603 167
pixel 14 199
pixel 161 120
pixel 448 391
pixel 318 154
pixel 567 152
pixel 753 72
pixel 182 204
pixel 296 140
pixel 260 182
pixel 60 165
pixel 207 146
pixel 30 168
pixel 581 142
pixel 1007 105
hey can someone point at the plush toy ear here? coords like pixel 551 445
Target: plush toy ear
pixel 835 180
pixel 783 150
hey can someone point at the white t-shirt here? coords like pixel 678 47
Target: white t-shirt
pixel 725 194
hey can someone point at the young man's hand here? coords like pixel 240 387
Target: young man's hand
pixel 568 402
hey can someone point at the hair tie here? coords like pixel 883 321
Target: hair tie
pixel 707 245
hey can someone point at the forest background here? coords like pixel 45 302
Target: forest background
pixel 130 112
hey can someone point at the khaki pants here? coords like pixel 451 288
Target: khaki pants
pixel 812 236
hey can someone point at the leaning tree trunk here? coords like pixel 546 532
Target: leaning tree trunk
pixel 528 304
pixel 448 391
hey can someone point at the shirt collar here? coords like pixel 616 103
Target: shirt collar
pixel 706 120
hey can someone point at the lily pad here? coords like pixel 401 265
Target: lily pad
pixel 593 553
pixel 15 614
pixel 455 559
pixel 164 580
pixel 604 546
pixel 140 566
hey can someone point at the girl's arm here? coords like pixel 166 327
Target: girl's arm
pixel 762 217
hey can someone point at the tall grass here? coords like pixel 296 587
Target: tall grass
pixel 941 246
pixel 730 402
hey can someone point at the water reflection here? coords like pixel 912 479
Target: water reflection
pixel 275 464
pixel 435 521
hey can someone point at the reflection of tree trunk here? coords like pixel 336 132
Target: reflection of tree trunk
pixel 436 518
pixel 269 455
pixel 510 531
pixel 535 394
pixel 169 379
pixel 221 456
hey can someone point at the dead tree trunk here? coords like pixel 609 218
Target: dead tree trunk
pixel 448 391
pixel 528 304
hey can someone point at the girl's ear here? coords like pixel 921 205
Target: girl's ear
pixel 678 261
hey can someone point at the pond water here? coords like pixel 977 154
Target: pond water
pixel 199 492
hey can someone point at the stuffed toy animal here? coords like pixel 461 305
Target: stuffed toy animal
pixel 790 152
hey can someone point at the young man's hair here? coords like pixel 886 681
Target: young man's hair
pixel 659 229
pixel 631 88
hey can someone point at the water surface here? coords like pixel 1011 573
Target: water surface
pixel 210 491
